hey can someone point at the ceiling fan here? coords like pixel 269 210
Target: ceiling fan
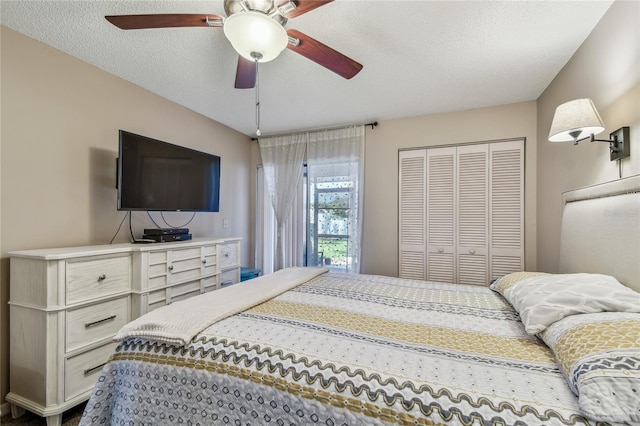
pixel 256 30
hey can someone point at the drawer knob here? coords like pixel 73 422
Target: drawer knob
pixel 226 254
pixel 102 277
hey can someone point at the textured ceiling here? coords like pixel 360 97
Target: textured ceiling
pixel 419 57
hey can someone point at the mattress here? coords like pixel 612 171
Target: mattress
pixel 342 349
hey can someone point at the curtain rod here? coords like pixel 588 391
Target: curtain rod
pixel 372 124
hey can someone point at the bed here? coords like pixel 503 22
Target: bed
pixel 306 346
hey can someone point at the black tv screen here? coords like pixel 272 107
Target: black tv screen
pixel 158 176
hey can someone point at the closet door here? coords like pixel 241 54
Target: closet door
pixel 441 203
pixel 461 212
pixel 411 214
pixel 506 204
pixel 472 233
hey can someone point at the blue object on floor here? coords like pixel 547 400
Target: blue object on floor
pixel 249 273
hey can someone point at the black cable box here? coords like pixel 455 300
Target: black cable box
pixel 166 231
pixel 167 238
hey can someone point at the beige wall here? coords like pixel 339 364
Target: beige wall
pixel 380 241
pixel 59 142
pixel 606 69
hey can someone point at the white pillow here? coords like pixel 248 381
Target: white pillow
pixel 543 300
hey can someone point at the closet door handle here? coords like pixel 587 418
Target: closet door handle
pixel 472 251
pixel 440 250
pixel 170 267
pixel 102 277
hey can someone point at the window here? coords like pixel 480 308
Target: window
pixel 324 224
pixel 328 225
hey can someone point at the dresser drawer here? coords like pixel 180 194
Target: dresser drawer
pixel 157 257
pixel 177 291
pixel 157 299
pixel 229 277
pixel 210 263
pixel 185 254
pixel 228 255
pixel 209 250
pixel 82 371
pixel 95 278
pixel 185 265
pixel 210 283
pixel 95 322
pixel 185 296
pixel 182 273
pixel 157 275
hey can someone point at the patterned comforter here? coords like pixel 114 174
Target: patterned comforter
pixel 344 350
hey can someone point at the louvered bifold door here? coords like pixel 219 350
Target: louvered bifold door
pixel 506 225
pixel 441 214
pixel 411 214
pixel 472 215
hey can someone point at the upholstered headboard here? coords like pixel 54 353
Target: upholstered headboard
pixel 600 231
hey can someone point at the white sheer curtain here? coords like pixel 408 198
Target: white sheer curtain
pixel 335 167
pixel 266 228
pixel 282 160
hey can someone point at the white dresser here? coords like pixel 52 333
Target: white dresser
pixel 66 304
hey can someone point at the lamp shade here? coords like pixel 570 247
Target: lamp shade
pixel 254 32
pixel 575 120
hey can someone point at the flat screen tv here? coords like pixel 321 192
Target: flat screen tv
pixel 158 176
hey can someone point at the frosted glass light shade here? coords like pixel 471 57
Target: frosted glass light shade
pixel 251 32
pixel 575 120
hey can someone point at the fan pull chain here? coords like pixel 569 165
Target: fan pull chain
pixel 258 132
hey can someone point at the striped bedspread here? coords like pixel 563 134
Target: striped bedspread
pixel 344 350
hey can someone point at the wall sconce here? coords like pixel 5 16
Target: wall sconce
pixel 578 120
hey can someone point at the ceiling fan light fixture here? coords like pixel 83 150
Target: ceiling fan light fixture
pixel 252 33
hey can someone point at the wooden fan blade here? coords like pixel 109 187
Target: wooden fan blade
pixel 245 73
pixel 138 22
pixel 303 6
pixel 324 55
